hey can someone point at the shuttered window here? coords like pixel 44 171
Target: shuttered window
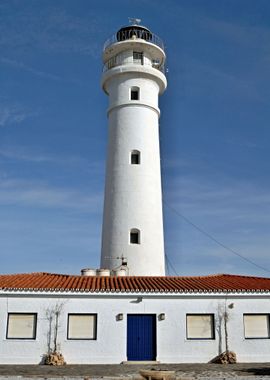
pixel 21 326
pixel 200 326
pixel 82 326
pixel 256 326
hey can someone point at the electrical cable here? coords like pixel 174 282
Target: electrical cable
pixel 169 264
pixel 213 238
pixel 167 269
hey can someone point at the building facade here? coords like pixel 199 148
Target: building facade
pixel 115 319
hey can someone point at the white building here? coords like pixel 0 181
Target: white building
pixel 115 319
pixel 131 311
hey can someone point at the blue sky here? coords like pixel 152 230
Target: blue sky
pixel 214 131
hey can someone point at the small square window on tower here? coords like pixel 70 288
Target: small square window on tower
pixel 134 237
pixel 134 93
pixel 138 57
pixel 135 158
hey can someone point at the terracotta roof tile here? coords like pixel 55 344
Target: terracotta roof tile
pixel 62 282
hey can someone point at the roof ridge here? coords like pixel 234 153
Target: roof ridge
pixel 38 274
pixel 164 277
pixel 242 275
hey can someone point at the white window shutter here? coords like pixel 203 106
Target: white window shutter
pixel 199 327
pixel 21 326
pixel 81 327
pixel 256 326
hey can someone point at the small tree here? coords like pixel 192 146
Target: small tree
pixel 227 356
pixel 226 320
pixel 53 356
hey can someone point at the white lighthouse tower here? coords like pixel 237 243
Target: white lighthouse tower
pixel 133 79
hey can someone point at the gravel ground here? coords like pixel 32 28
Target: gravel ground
pixel 126 372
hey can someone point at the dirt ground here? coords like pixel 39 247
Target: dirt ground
pixel 185 371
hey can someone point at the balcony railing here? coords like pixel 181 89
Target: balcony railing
pixel 131 35
pixel 118 61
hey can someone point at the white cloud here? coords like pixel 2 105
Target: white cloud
pixel 20 154
pixel 50 28
pixel 24 154
pixel 14 114
pixel 205 79
pixel 244 34
pixel 22 66
pixel 230 198
pixel 14 192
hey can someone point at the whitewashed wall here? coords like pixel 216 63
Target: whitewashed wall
pixel 133 196
pixel 110 346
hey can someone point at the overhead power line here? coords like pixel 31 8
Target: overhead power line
pixel 170 265
pixel 213 238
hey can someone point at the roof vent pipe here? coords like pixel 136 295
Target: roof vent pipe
pixel 88 272
pixel 103 272
pixel 120 272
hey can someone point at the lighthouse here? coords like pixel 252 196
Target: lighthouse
pixel 133 78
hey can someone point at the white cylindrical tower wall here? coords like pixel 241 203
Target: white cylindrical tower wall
pixel 133 197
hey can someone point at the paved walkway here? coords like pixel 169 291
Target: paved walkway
pixel 183 371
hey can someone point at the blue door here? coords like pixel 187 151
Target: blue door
pixel 141 337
